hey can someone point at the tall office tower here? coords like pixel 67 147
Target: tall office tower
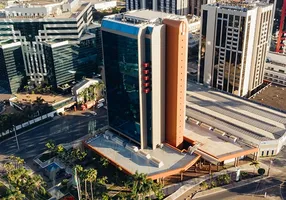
pixel 58 40
pixel 145 60
pixel 280 15
pixel 233 46
pixel 179 7
pixel 195 6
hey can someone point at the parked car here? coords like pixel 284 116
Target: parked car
pixel 99 105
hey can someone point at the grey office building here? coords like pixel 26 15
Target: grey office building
pixel 58 41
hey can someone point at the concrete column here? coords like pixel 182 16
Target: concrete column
pixel 182 176
pixel 210 169
pixel 234 162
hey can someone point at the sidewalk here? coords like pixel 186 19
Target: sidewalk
pixel 228 187
pixel 179 189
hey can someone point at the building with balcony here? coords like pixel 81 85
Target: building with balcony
pixel 275 69
pixel 234 41
pixel 59 41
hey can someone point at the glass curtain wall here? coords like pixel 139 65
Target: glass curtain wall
pixel 122 83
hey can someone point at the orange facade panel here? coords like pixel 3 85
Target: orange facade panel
pixel 176 62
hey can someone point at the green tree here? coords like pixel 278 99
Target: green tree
pixel 9 167
pixel 140 185
pixel 78 169
pixel 38 184
pixel 158 190
pixel 104 162
pixel 14 194
pixel 26 88
pixel 17 161
pixel 51 146
pixel 91 177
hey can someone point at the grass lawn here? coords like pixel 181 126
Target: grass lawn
pixel 3 190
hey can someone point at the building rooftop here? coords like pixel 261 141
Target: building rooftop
pixel 214 143
pixel 276 59
pixel 242 6
pixel 146 15
pixel 274 96
pixel 139 17
pixel 234 115
pixel 155 163
pixel 44 9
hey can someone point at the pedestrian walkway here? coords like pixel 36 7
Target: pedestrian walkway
pixel 183 187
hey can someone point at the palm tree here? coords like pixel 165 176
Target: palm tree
pixel 91 177
pixel 17 161
pixel 39 100
pixel 14 194
pixel 78 169
pixel 139 185
pixel 38 184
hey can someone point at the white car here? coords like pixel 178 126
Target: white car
pixel 94 113
pixel 99 105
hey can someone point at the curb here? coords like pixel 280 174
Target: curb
pixel 54 119
pixel 228 187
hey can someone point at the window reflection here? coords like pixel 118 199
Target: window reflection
pixel 122 84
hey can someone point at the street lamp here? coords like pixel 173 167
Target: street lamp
pixel 269 167
pixel 14 127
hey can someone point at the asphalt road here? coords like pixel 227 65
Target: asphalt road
pixel 255 189
pixel 63 130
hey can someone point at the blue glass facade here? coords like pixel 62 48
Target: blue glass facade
pixel 122 81
pixel 120 27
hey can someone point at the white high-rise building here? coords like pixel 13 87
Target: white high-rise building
pixel 179 7
pixel 233 45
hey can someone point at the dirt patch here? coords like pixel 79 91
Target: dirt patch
pixel 274 96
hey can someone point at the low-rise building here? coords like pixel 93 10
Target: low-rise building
pixel 275 69
pixel 78 91
pixel 236 117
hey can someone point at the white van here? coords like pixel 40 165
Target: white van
pixel 99 105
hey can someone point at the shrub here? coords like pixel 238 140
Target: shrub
pixel 261 171
pixel 244 174
pixel 213 184
pixel 204 185
pixel 65 182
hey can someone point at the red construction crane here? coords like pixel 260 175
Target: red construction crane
pixel 282 29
